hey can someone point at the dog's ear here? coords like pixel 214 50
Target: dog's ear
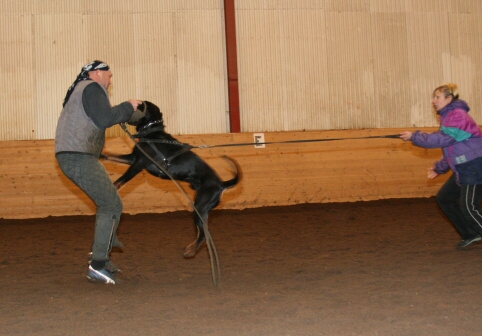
pixel 150 106
pixel 142 107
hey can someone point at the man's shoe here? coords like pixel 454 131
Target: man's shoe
pixel 102 275
pixel 109 265
pixel 467 242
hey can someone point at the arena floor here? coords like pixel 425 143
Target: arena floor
pixel 366 268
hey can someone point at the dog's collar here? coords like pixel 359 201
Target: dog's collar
pixel 145 129
pixel 150 124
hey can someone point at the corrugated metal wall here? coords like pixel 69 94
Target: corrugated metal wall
pixel 354 64
pixel 169 52
pixel 303 64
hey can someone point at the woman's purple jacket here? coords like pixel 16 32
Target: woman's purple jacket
pixel 459 137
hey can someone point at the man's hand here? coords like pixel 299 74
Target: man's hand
pixel 135 103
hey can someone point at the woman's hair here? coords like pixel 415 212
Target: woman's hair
pixel 448 90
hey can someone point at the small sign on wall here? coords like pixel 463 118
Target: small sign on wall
pixel 259 140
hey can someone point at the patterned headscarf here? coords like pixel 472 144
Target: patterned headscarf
pixel 84 74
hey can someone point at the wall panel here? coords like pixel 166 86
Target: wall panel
pixel 457 6
pixel 347 6
pixel 350 70
pixel 464 58
pixel 427 68
pixel 17 85
pixel 383 60
pixel 185 77
pixel 384 6
pixel 115 45
pixel 259 70
pixel 427 6
pixel 304 78
pixel 391 68
pixel 201 93
pixel 156 72
pixel 54 50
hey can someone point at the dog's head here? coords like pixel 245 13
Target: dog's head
pixel 152 116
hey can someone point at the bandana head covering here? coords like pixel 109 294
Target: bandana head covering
pixel 84 74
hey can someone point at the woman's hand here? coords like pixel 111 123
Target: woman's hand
pixel 431 173
pixel 406 135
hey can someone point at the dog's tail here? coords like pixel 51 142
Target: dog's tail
pixel 237 174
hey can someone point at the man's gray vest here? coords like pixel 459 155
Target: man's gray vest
pixel 76 132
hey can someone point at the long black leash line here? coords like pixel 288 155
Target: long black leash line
pixel 216 271
pixel 186 146
pixel 390 136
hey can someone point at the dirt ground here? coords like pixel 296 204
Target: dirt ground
pixel 367 268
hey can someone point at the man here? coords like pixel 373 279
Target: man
pixel 79 140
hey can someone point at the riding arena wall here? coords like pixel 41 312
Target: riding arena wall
pixel 338 166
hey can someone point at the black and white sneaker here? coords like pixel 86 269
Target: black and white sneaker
pixel 109 265
pixel 467 242
pixel 102 275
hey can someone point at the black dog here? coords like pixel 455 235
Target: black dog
pixel 180 163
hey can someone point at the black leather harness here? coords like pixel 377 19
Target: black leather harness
pixel 148 129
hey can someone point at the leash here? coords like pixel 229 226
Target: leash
pixel 390 136
pixel 186 147
pixel 213 254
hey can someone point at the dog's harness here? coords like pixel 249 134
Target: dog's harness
pixel 148 129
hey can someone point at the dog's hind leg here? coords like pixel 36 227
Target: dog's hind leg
pixel 206 200
pixel 195 246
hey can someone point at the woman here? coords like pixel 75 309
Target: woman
pixel 461 141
